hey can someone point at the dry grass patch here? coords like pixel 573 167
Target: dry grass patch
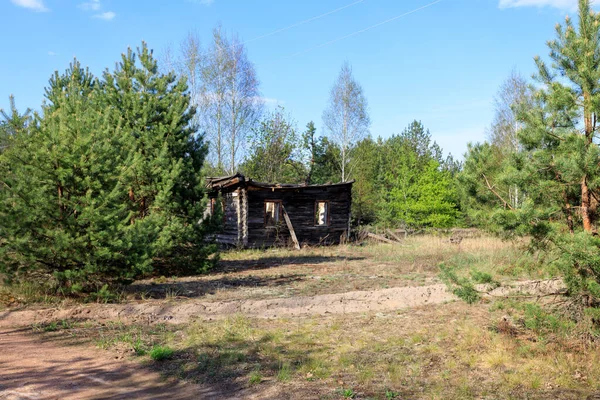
pixel 273 273
pixel 448 351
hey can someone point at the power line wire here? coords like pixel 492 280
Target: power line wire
pixel 306 21
pixel 275 32
pixel 365 29
pixel 252 66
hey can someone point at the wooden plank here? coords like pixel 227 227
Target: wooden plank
pixel 392 234
pixel 290 227
pixel 380 238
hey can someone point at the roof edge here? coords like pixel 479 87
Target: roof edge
pixel 222 182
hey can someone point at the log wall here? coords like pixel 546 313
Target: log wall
pixel 229 235
pixel 300 205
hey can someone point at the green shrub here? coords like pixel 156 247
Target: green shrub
pixel 160 353
pixel 255 378
pixel 460 287
pixel 483 277
pixel 543 322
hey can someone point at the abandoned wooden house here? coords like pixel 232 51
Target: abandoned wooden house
pixel 263 214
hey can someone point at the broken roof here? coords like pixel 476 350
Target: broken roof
pixel 223 182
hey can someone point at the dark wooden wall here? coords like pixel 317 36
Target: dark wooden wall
pixel 300 206
pixel 229 233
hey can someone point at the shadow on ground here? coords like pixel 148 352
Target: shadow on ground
pixel 199 288
pixel 218 279
pixel 33 369
pixel 260 263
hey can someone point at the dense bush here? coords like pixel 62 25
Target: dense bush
pixel 105 183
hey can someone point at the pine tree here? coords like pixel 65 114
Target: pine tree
pixel 61 210
pixel 12 123
pixel 558 169
pixel 165 156
pixel 566 100
pixel 414 189
pixel 365 196
pixel 107 185
pixel 324 156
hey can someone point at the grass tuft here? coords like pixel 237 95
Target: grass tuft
pixel 255 378
pixel 161 353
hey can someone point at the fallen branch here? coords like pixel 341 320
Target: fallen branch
pixel 381 238
pixel 392 234
pixel 522 296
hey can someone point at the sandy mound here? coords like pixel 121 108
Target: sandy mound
pixel 342 303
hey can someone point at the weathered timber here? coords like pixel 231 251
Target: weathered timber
pixel 381 238
pixel 290 228
pixel 392 234
pixel 246 217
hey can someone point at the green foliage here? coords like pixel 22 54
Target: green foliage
pixel 555 171
pixel 255 378
pixel 54 326
pixel 105 186
pixel 139 347
pixel 365 196
pixel 12 123
pixel 284 373
pixel 323 166
pixel 483 278
pixel 415 191
pixel 160 353
pixel 104 295
pixel 490 178
pixel 578 258
pixel 482 183
pixel 274 151
pixel 543 322
pixel 463 288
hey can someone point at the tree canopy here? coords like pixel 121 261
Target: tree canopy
pixel 105 185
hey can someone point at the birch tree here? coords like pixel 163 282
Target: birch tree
pixel 346 118
pixel 514 94
pixel 231 101
pixel 191 66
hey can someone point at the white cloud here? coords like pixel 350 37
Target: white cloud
pixel 107 16
pixel 35 5
pixel 93 5
pixel 52 54
pixel 561 4
pixel 96 6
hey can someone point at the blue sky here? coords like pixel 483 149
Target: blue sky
pixel 441 64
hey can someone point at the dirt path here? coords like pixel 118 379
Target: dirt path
pixel 31 369
pixel 341 303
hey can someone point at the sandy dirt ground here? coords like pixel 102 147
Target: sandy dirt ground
pixel 31 369
pixel 340 303
pixel 53 369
